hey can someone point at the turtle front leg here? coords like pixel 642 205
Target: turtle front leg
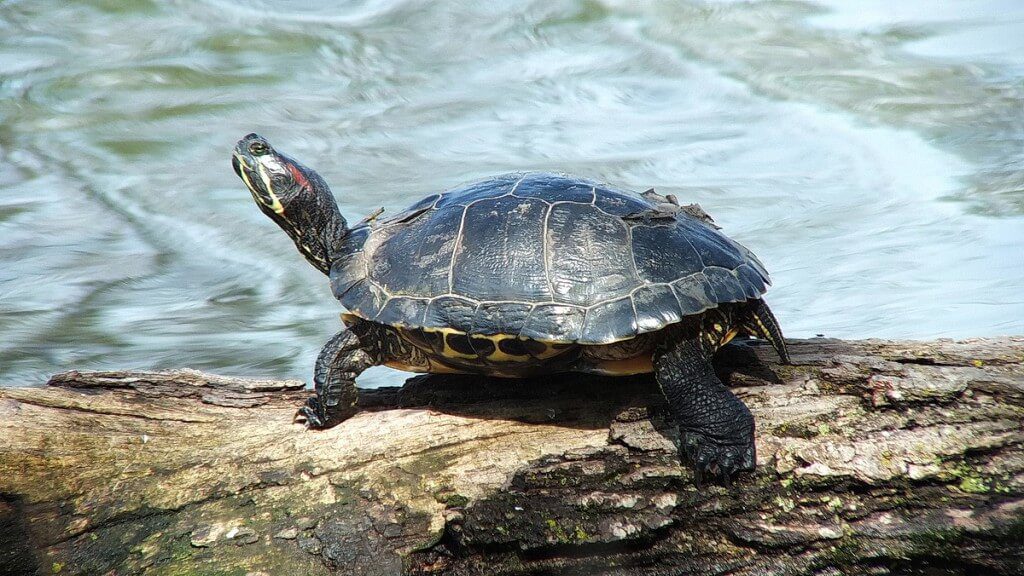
pixel 716 428
pixel 341 360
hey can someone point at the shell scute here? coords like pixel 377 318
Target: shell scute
pixel 663 254
pixel 498 255
pixel 724 285
pixel 620 203
pixel 554 322
pixel 474 191
pixel 500 317
pixel 403 311
pixel 656 306
pixel 554 188
pixel 450 311
pixel 713 248
pixel 754 284
pixel 693 294
pixel 416 260
pixel 365 298
pixel 589 252
pixel 609 321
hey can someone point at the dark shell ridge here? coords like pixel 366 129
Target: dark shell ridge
pixel 544 256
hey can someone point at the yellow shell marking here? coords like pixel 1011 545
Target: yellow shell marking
pixel 500 355
pixel 548 349
pixel 447 350
pixel 433 368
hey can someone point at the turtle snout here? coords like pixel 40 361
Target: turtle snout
pixel 236 164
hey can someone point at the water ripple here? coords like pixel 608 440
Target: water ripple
pixel 874 165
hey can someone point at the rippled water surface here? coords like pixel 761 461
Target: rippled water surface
pixel 871 153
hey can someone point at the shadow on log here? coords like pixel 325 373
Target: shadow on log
pixel 874 457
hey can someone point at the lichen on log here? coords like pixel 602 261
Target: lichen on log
pixel 874 457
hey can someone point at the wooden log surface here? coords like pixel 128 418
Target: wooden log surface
pixel 874 457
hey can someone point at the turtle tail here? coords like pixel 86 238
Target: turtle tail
pixel 761 323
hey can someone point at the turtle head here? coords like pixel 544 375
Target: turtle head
pixel 275 180
pixel 294 196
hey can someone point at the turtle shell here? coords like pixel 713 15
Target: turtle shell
pixel 543 256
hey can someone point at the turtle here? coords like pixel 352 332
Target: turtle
pixel 525 274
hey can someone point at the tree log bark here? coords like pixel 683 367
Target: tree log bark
pixel 874 457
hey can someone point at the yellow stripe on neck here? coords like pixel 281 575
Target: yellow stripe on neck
pixel 276 205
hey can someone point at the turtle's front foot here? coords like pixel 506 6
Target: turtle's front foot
pixel 715 459
pixel 340 361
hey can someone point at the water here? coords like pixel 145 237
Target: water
pixel 872 156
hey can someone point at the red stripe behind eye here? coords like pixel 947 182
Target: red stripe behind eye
pixel 299 177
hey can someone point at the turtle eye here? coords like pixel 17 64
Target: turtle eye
pixel 258 148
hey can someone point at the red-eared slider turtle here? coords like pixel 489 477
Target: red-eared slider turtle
pixel 523 274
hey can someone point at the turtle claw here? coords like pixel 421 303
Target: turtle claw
pixel 711 458
pixel 312 414
pixel 318 417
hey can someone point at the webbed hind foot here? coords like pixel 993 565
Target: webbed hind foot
pixel 716 428
pixel 712 458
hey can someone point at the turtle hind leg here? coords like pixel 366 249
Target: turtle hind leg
pixel 716 428
pixel 761 323
pixel 341 360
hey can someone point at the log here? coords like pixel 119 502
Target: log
pixel 874 457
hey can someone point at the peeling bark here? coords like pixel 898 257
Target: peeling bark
pixel 874 457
